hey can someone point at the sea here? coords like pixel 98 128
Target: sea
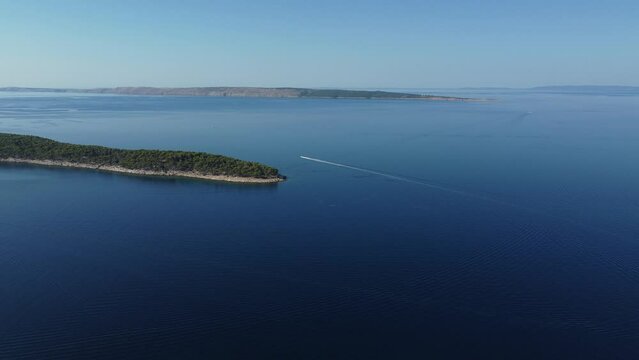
pixel 506 228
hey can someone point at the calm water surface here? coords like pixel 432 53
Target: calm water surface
pixel 507 229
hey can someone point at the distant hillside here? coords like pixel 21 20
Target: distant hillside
pixel 246 92
pixel 589 89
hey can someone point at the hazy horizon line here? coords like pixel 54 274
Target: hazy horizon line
pixel 321 87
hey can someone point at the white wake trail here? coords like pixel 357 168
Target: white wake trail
pixel 424 183
pixel 354 168
pixel 394 177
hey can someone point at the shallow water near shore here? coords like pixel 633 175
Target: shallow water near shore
pixel 516 236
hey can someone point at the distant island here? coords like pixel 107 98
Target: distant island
pixel 283 92
pixel 589 89
pixel 41 151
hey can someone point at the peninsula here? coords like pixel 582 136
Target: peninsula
pixel 283 92
pixel 40 151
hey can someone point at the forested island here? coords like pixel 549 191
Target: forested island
pixel 41 151
pixel 283 92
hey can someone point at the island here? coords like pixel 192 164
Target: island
pixel 198 165
pixel 265 92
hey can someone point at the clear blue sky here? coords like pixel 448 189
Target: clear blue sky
pixel 323 43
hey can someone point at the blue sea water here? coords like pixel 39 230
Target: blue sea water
pixel 506 229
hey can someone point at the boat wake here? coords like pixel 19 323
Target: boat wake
pixel 409 180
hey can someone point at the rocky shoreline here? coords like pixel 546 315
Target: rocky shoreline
pixel 170 173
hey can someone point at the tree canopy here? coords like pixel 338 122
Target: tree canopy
pixel 37 148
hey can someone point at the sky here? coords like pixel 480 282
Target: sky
pixel 324 43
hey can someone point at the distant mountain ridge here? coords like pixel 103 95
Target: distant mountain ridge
pixel 283 92
pixel 611 90
pixel 586 87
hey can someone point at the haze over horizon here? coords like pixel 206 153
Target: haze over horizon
pixel 359 44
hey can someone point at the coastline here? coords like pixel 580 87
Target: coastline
pixel 251 92
pixel 122 170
